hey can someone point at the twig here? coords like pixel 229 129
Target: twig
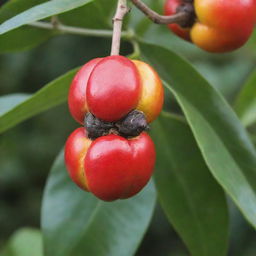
pixel 79 31
pixel 136 50
pixel 55 21
pixel 121 11
pixel 184 15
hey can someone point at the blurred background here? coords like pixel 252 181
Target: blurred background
pixel 28 150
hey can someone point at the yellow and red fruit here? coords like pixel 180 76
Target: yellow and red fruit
pixel 152 93
pixel 111 167
pixel 220 25
pixel 113 86
pixel 115 98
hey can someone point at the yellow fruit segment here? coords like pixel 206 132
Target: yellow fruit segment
pixel 152 95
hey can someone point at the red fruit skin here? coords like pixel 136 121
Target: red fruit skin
pixel 139 88
pixel 117 168
pixel 77 93
pixel 170 8
pixel 111 167
pixel 113 88
pixel 75 151
pixel 220 26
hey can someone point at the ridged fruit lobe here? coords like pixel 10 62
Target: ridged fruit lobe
pixel 220 26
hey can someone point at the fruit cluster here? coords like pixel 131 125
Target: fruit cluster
pixel 114 98
pixel 218 26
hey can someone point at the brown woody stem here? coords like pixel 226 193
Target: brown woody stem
pixel 183 16
pixel 121 11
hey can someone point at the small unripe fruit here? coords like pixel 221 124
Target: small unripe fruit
pixel 220 26
pixel 111 167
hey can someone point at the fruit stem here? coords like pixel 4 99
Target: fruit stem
pixel 121 10
pixel 182 17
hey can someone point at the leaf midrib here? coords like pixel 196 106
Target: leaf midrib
pixel 90 221
pixel 228 153
pixel 177 95
pixel 190 204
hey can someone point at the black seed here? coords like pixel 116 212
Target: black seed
pixel 95 127
pixel 132 125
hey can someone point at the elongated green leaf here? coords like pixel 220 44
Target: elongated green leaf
pixel 97 14
pixel 25 242
pixel 14 7
pixel 8 102
pixel 193 201
pixel 245 105
pixel 23 38
pixel 223 141
pixel 41 11
pixel 100 14
pixel 49 96
pixel 75 223
pixel 28 37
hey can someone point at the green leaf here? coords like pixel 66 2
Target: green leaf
pixel 222 139
pixel 76 223
pixel 49 96
pixel 97 15
pixel 14 7
pixel 8 102
pixel 28 37
pixel 245 105
pixel 25 242
pixel 40 12
pixel 193 201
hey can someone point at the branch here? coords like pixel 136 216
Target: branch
pixel 184 15
pixel 78 31
pixel 121 11
pixel 55 21
pixel 136 50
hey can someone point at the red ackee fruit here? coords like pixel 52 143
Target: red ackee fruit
pixel 220 25
pixel 113 86
pixel 111 167
pixel 120 94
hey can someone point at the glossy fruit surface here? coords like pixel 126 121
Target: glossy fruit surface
pixel 221 25
pixel 117 168
pixel 152 94
pixel 77 93
pixel 169 9
pixel 76 148
pixel 111 167
pixel 113 86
